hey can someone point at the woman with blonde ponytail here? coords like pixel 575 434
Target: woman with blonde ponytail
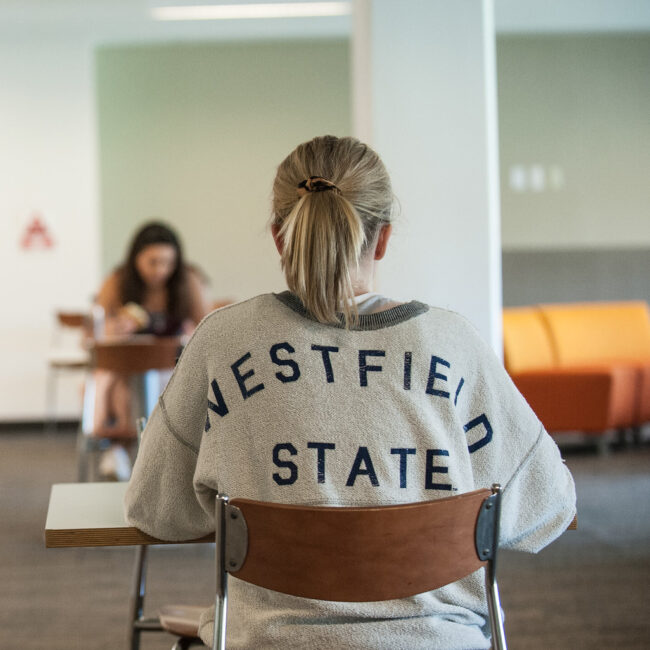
pixel 331 222
pixel 331 394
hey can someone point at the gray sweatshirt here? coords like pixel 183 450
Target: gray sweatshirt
pixel 410 405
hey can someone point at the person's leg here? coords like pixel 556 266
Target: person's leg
pixel 116 413
pixel 104 382
pixel 121 404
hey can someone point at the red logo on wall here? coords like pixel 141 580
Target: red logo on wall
pixel 36 235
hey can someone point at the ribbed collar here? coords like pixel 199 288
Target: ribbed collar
pixel 376 321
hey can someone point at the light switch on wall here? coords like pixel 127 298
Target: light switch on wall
pixel 537 178
pixel 518 178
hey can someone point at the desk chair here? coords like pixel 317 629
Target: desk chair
pixel 140 359
pixel 351 554
pixel 66 355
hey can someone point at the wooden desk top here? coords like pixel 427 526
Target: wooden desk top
pixel 91 514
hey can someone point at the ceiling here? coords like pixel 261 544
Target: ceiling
pixel 572 15
pixel 128 20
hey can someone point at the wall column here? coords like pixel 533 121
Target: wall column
pixel 429 69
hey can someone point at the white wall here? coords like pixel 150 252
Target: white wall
pixel 575 141
pixel 434 122
pixel 47 166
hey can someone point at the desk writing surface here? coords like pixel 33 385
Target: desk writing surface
pixel 86 505
pixel 91 514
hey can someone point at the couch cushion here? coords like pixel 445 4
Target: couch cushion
pixel 608 332
pixel 526 341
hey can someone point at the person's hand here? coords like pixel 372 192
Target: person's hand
pixel 121 324
pixel 125 324
pixel 136 313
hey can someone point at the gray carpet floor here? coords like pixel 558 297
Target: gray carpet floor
pixel 591 589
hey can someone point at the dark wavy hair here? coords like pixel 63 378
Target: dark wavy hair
pixel 132 287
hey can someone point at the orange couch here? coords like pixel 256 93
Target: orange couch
pixel 584 366
pixel 612 333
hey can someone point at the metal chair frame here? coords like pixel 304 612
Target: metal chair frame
pixel 341 566
pixel 138 623
pixel 63 359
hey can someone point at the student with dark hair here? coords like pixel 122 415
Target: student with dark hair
pixel 154 291
pixel 330 394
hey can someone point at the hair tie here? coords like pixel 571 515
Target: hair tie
pixel 316 184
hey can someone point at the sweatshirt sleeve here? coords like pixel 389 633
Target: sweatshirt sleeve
pixel 538 500
pixel 160 499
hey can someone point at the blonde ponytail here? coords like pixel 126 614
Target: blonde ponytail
pixel 330 197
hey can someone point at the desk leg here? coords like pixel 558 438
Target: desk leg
pixel 137 622
pixel 137 595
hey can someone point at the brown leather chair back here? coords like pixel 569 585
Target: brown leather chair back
pixel 360 554
pixel 134 357
pixel 71 319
